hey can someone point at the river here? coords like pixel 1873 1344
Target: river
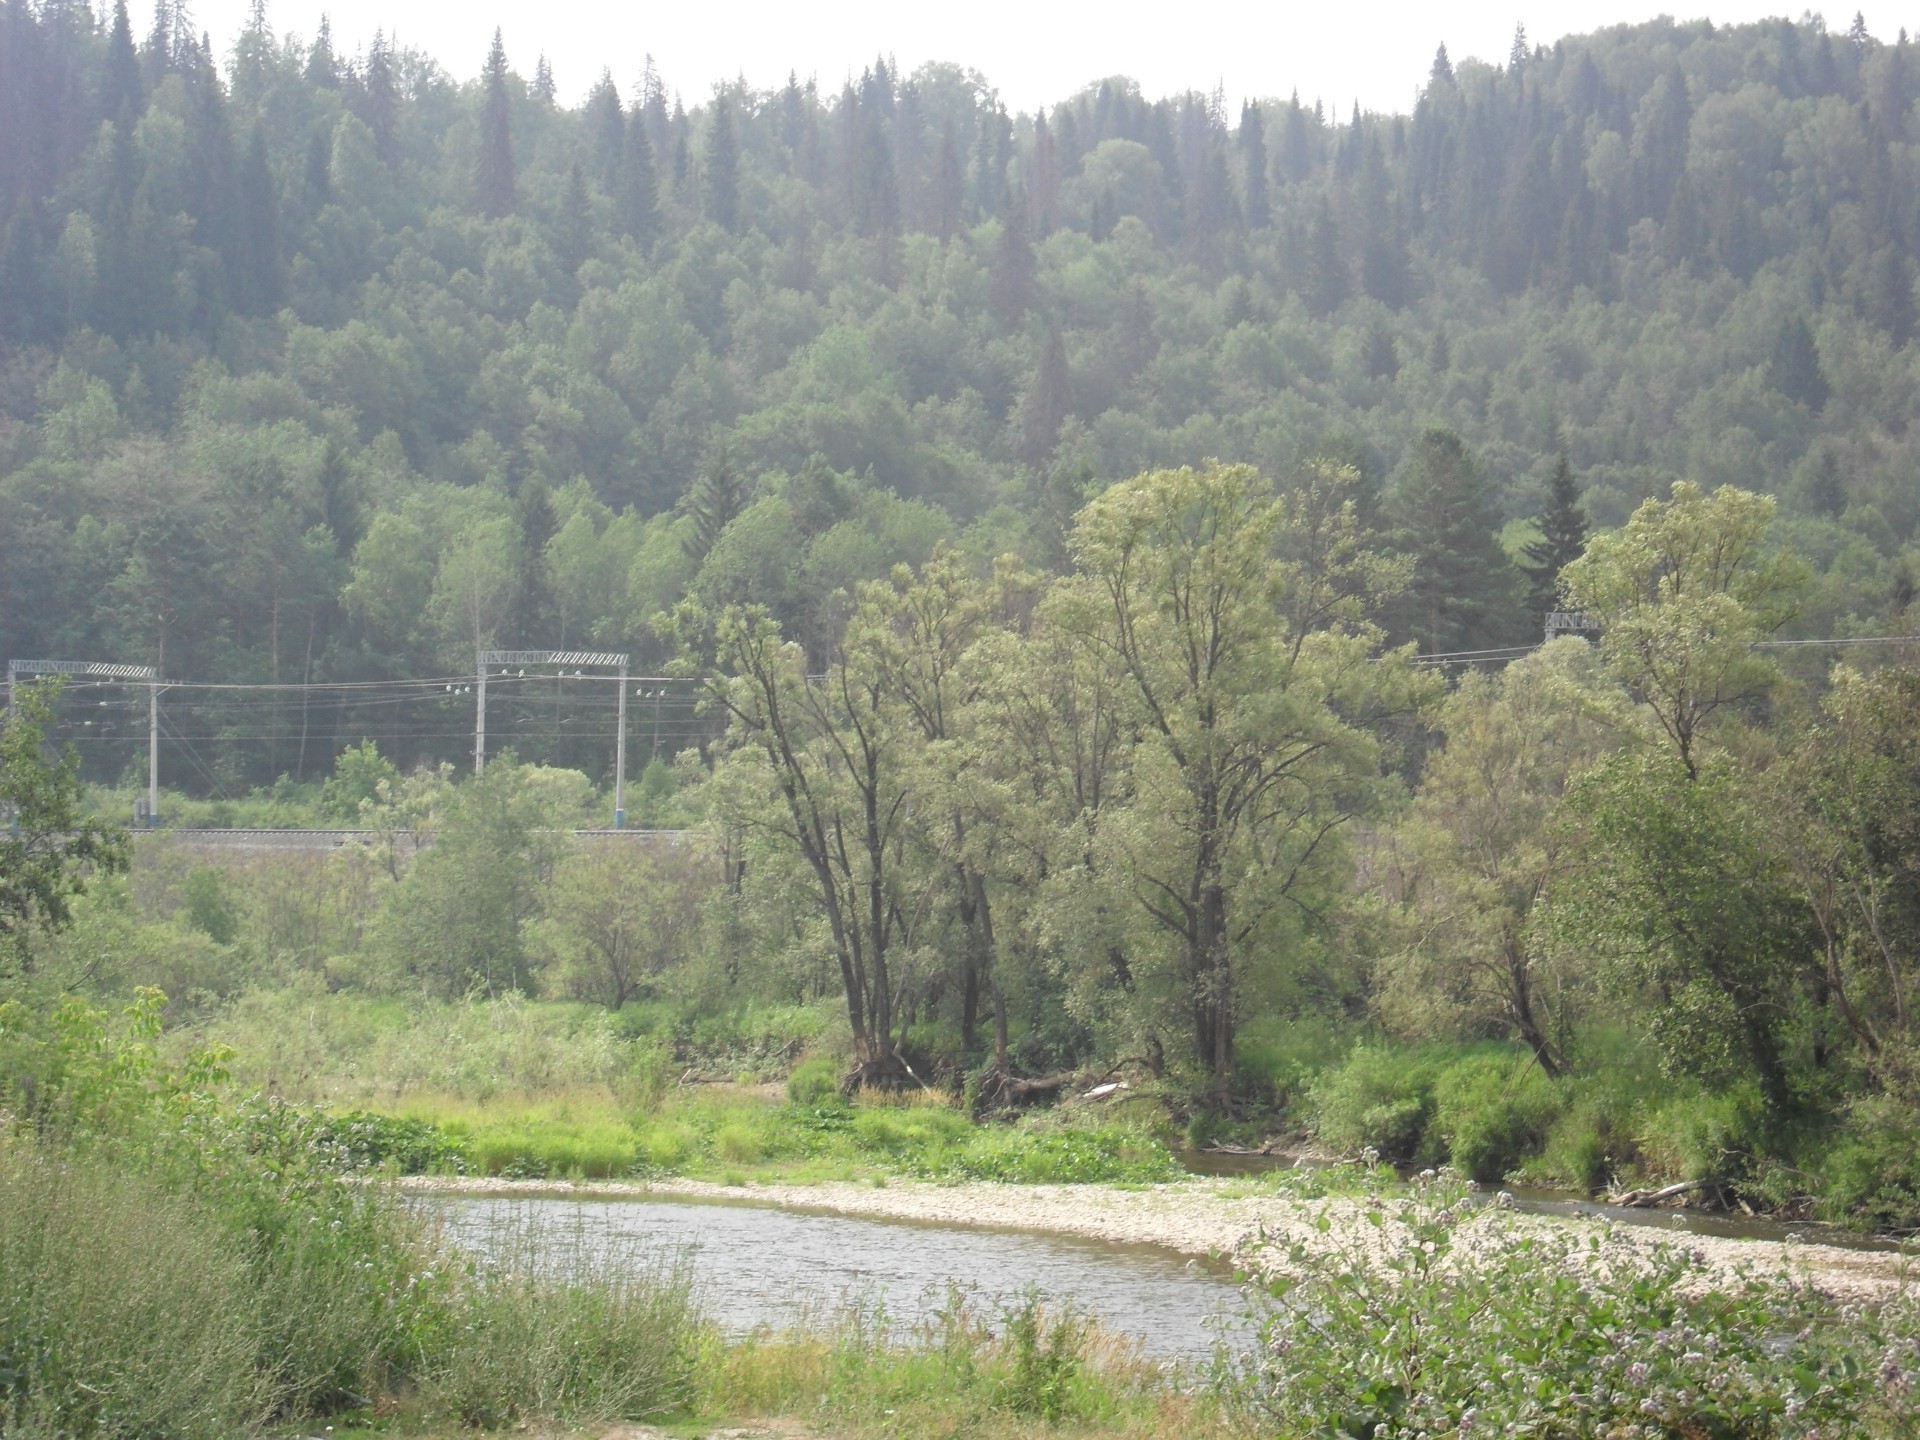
pixel 757 1265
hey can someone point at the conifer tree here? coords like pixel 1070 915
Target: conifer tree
pixel 323 67
pixel 379 100
pixel 722 168
pixel 1252 141
pixel 1011 288
pixel 948 188
pixel 716 497
pixel 639 192
pixel 122 91
pixel 1465 593
pixel 1048 402
pixel 606 122
pixel 255 273
pixel 1794 368
pixel 1563 535
pixel 494 182
pixel 544 89
pixel 532 593
pixel 573 229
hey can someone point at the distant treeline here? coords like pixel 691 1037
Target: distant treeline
pixel 330 368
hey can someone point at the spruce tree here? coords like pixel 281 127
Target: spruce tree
pixel 573 226
pixel 533 594
pixel 494 183
pixel 323 67
pixel 606 122
pixel 255 274
pixel 722 168
pixel 715 498
pixel 1465 593
pixel 1794 368
pixel 1253 168
pixel 1563 535
pixel 1010 290
pixel 122 91
pixel 639 193
pixel 379 106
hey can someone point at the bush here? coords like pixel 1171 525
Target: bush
pixel 1434 1318
pixel 363 1140
pixel 1703 1136
pixel 1491 1112
pixel 1379 1099
pixel 815 1081
pixel 1872 1173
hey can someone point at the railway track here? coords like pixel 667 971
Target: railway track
pixel 266 839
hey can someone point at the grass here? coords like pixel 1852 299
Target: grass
pixel 733 1133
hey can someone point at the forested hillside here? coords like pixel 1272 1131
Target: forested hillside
pixel 321 367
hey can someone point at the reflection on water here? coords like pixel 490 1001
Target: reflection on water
pixel 755 1265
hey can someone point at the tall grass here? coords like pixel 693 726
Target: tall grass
pixel 565 1328
pixel 124 1310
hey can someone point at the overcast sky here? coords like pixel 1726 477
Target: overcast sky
pixel 1034 52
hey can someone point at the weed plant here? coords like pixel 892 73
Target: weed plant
pixel 564 1328
pixel 1434 1318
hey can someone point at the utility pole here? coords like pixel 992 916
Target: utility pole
pixel 103 670
pixel 620 754
pixel 153 754
pixel 581 660
pixel 480 713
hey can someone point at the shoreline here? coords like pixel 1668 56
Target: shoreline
pixel 1194 1217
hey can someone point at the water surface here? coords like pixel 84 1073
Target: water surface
pixel 757 1265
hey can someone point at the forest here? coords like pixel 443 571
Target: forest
pixel 1089 569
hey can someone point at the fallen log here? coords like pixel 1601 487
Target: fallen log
pixel 1640 1199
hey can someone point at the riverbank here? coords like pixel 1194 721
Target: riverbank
pixel 1197 1217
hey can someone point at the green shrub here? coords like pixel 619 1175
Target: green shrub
pixel 1492 1111
pixel 1552 1331
pixel 1058 1157
pixel 1871 1175
pixel 1703 1136
pixel 1380 1100
pixel 815 1081
pixel 738 1144
pixel 364 1140
pixel 1046 1353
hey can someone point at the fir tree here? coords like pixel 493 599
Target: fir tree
pixel 379 106
pixel 1014 268
pixel 122 91
pixel 1465 593
pixel 1563 535
pixel 722 168
pixel 1794 368
pixel 494 182
pixel 716 497
pixel 639 192
pixel 1253 168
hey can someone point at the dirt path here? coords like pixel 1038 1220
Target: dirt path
pixel 1193 1217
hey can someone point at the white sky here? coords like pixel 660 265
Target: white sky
pixel 1034 52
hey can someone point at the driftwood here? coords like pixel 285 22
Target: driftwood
pixel 1640 1199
